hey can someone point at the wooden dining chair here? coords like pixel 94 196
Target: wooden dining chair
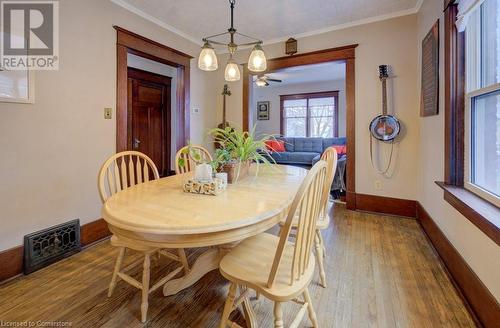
pixel 330 157
pixel 119 172
pixel 273 266
pixel 189 164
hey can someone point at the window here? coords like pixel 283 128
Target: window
pixel 482 109
pixel 310 115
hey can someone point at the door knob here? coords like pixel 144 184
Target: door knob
pixel 136 143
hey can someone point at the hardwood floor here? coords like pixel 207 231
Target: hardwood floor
pixel 381 272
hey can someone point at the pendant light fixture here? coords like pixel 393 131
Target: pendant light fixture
pixel 257 61
pixel 207 61
pixel 232 72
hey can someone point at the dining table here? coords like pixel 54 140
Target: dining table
pixel 159 213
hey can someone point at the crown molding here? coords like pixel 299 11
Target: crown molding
pixel 197 41
pixel 418 5
pixel 156 21
pixel 363 21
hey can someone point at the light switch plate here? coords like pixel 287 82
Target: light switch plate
pixel 196 110
pixel 108 113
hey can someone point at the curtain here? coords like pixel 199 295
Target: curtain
pixel 465 9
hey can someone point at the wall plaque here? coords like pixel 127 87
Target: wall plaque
pixel 429 96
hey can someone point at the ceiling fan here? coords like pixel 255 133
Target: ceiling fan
pixel 263 80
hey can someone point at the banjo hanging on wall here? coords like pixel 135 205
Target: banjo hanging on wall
pixel 384 127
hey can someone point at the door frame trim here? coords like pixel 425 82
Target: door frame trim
pixel 345 54
pixel 130 42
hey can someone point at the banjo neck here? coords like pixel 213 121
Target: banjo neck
pixel 384 95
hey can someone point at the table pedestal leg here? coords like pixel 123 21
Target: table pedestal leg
pixel 205 263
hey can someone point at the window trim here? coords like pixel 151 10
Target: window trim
pixel 454 49
pixel 307 96
pixel 467 203
pixel 483 193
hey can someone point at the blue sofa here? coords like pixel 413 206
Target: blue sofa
pixel 304 151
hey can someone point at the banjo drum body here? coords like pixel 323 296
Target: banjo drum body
pixel 385 127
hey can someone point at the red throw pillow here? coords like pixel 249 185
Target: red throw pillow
pixel 275 146
pixel 341 149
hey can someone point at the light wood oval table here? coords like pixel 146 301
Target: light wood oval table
pixel 159 214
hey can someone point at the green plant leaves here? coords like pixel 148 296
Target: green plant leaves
pixel 242 145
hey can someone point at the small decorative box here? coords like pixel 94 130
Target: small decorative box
pixel 205 188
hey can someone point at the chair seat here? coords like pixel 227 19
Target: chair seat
pixel 322 223
pixel 250 263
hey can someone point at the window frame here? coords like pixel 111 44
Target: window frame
pixel 310 95
pixel 474 87
pixel 468 152
pixel 478 210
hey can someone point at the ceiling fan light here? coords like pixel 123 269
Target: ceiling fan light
pixel 232 72
pixel 261 83
pixel 257 61
pixel 208 59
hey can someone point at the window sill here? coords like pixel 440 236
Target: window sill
pixel 480 212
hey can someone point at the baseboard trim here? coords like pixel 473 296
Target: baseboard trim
pixel 94 231
pixel 478 298
pixel 350 200
pixel 11 260
pixel 386 205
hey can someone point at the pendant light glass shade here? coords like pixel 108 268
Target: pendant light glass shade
pixel 257 61
pixel 207 60
pixel 232 72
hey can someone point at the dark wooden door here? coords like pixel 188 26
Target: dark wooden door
pixel 149 116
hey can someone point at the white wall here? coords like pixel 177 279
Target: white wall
pixel 389 42
pixel 51 151
pixel 272 94
pixel 478 250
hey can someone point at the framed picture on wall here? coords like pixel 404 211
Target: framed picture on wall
pixel 263 110
pixel 17 86
pixel 429 96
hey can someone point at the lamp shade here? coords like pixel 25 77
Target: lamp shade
pixel 257 61
pixel 232 72
pixel 207 60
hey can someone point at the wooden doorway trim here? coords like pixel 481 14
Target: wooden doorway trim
pixel 345 54
pixel 129 42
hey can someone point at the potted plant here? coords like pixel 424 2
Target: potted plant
pixel 203 169
pixel 239 149
pixel 221 157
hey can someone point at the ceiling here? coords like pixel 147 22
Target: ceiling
pixel 269 20
pixel 308 73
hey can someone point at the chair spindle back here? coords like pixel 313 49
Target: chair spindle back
pixel 307 205
pixel 124 170
pixel 331 158
pixel 189 164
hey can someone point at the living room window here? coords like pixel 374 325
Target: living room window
pixel 482 102
pixel 310 114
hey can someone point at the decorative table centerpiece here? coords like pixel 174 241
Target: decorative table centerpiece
pixel 238 149
pixel 203 180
